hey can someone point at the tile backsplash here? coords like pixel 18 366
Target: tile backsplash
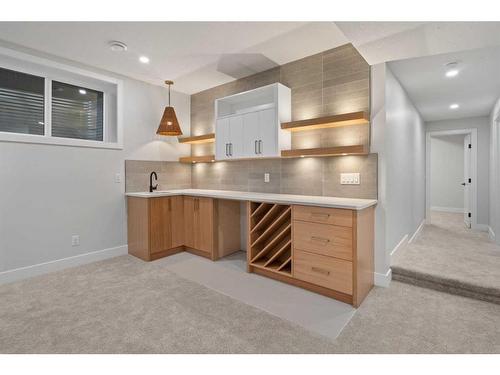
pixel 305 176
pixel 171 175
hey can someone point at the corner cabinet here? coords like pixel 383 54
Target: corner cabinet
pixel 162 226
pixel 248 124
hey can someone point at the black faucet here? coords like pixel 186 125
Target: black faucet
pixel 151 187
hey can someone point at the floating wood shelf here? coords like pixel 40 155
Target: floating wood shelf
pixel 205 138
pixel 326 151
pixel 345 119
pixel 197 159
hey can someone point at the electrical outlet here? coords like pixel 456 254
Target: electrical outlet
pixel 75 240
pixel 118 178
pixel 349 179
pixel 266 177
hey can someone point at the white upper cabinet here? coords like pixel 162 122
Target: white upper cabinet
pixel 248 124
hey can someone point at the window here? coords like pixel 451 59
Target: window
pixel 77 112
pixel 21 103
pixel 43 101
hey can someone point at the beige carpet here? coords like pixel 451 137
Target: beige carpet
pixel 124 305
pixel 450 257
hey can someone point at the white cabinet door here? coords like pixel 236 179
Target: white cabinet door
pixel 236 137
pixel 251 134
pixel 222 139
pixel 268 140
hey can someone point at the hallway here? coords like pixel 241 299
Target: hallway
pixel 449 257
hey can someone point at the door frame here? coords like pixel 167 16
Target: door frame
pixel 473 171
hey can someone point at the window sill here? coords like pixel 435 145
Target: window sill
pixel 55 141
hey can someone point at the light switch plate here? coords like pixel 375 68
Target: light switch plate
pixel 349 179
pixel 118 178
pixel 266 177
pixel 75 240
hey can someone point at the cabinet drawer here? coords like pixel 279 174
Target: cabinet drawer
pixel 325 271
pixel 323 215
pixel 324 239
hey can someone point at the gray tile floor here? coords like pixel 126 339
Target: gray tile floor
pixel 316 313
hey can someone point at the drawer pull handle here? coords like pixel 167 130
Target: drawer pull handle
pixel 320 214
pixel 320 270
pixel 320 239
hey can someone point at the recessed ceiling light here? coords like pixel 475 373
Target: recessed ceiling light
pixel 454 106
pixel 144 59
pixel 452 69
pixel 82 91
pixel 117 46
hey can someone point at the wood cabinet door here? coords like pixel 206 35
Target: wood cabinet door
pixel 189 222
pixel 160 231
pixel 204 224
pixel 177 220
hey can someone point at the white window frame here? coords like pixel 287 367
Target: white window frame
pixel 47 138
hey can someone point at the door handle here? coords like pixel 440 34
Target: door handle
pixel 226 150
pixel 230 149
pixel 255 147
pixel 260 146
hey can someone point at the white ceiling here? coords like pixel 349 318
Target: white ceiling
pixel 187 52
pixel 201 55
pixel 475 88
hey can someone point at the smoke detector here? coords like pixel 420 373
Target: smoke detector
pixel 116 46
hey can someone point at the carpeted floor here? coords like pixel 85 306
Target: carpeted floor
pixel 124 305
pixel 447 256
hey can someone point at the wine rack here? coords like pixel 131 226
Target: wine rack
pixel 270 237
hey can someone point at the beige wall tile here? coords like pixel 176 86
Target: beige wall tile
pixel 365 165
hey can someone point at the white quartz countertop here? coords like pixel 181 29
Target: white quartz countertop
pixel 308 200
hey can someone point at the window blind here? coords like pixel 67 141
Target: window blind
pixel 21 103
pixel 77 112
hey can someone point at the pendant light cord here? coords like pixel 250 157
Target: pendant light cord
pixel 169 95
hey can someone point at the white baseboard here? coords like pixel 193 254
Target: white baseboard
pixel 448 209
pixel 481 227
pixel 400 245
pixel 60 264
pixel 491 234
pixel 383 280
pixel 419 229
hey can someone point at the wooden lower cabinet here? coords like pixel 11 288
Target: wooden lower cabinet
pixel 153 226
pixel 199 224
pixel 325 250
pixel 162 226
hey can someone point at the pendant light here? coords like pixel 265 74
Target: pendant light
pixel 169 124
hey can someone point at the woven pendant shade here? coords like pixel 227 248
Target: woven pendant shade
pixel 169 124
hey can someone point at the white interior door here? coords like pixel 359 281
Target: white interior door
pixel 467 179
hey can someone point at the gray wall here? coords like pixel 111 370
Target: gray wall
pixel 404 158
pixel 49 193
pixel 447 173
pixel 483 157
pixel 494 128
